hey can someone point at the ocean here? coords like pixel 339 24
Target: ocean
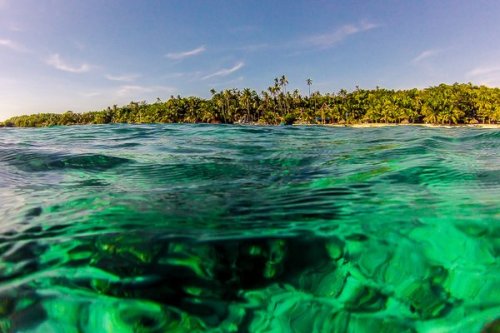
pixel 226 228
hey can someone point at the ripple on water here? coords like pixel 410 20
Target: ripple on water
pixel 36 161
pixel 201 228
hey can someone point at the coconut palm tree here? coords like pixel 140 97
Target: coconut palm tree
pixel 309 83
pixel 283 83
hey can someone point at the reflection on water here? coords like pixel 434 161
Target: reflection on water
pixel 200 228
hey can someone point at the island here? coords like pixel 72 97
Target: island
pixel 444 104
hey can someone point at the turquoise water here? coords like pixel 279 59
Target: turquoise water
pixel 201 228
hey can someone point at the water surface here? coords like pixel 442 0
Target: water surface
pixel 202 228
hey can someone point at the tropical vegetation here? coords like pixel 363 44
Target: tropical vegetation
pixel 442 104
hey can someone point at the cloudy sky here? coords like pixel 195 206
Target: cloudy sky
pixel 58 55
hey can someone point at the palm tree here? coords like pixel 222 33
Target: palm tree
pixel 246 101
pixel 430 111
pixel 283 83
pixel 309 83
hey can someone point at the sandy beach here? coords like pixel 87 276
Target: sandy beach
pixel 374 125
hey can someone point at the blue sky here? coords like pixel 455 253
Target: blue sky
pixel 58 55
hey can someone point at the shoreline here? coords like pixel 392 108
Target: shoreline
pixel 361 125
pixel 376 125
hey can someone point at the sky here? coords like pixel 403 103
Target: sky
pixel 59 55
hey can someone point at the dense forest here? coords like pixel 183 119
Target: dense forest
pixel 443 104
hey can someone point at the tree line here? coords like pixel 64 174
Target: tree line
pixel 443 104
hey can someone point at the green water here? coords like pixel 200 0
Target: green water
pixel 200 228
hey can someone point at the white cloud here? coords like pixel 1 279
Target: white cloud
pixel 330 39
pixel 122 78
pixel 91 94
pixel 55 61
pixel 127 90
pixel 489 76
pixel 425 55
pixel 12 45
pixel 229 83
pixel 186 54
pixel 225 71
pixel 483 71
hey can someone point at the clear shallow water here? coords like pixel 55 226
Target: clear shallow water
pixel 199 228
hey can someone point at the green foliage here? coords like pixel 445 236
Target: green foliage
pixel 290 119
pixel 443 104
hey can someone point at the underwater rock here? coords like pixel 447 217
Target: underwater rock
pixel 358 297
pixel 425 299
pixel 190 275
pixel 379 323
pixel 325 281
pixel 493 327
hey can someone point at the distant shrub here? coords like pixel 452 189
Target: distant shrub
pixel 290 119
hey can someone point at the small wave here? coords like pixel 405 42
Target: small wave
pixel 31 161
